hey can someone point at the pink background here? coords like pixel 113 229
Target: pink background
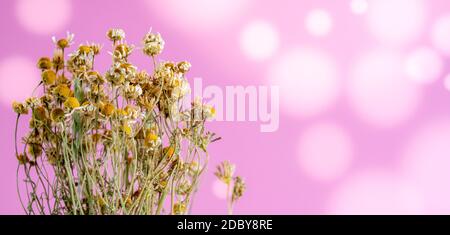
pixel 364 109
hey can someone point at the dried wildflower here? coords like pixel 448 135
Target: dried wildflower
pixel 119 142
pixel 238 189
pixel 107 109
pixel 179 208
pixel 44 63
pixel 48 77
pixel 19 108
pixel 184 66
pixel 225 172
pixel 71 103
pixel 62 91
pixel 153 44
pixel 96 48
pixel 58 59
pixel 64 42
pixel 57 115
pixel 152 140
pixel 115 35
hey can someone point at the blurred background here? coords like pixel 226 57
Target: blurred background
pixel 364 101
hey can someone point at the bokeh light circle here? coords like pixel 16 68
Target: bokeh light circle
pixel 426 162
pixel 318 22
pixel 376 192
pixel 359 6
pixel 219 189
pixel 396 22
pixel 423 65
pixel 259 40
pixel 44 16
pixel 380 92
pixel 200 14
pixel 325 151
pixel 308 80
pixel 440 34
pixel 447 82
pixel 18 77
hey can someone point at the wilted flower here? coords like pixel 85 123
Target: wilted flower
pixel 19 108
pixel 225 172
pixel 153 44
pixel 115 35
pixel 64 42
pixel 44 63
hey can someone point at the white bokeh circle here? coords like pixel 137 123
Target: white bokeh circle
pixel 18 77
pixel 426 162
pixel 423 65
pixel 396 22
pixel 199 14
pixel 379 91
pixel 376 192
pixel 44 16
pixel 308 81
pixel 359 6
pixel 440 34
pixel 318 22
pixel 219 189
pixel 259 40
pixel 447 82
pixel 325 151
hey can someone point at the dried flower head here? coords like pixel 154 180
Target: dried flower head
pixel 238 189
pixel 44 63
pixel 225 172
pixel 153 44
pixel 64 42
pixel 19 108
pixel 115 35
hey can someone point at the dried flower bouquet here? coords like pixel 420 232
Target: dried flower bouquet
pixel 114 143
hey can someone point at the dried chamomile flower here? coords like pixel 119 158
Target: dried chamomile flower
pixel 132 91
pixel 32 102
pixel 57 115
pixel 44 63
pixel 209 112
pixel 179 208
pixel 71 103
pixel 64 42
pixel 40 113
pixel 126 128
pixel 19 108
pixel 153 44
pixel 184 66
pixel 152 140
pixel 58 59
pixel 62 91
pixel 48 77
pixel 238 189
pixel 95 48
pixel 180 88
pixel 107 109
pixel 115 35
pixel 95 77
pixel 225 172
pixel 122 51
